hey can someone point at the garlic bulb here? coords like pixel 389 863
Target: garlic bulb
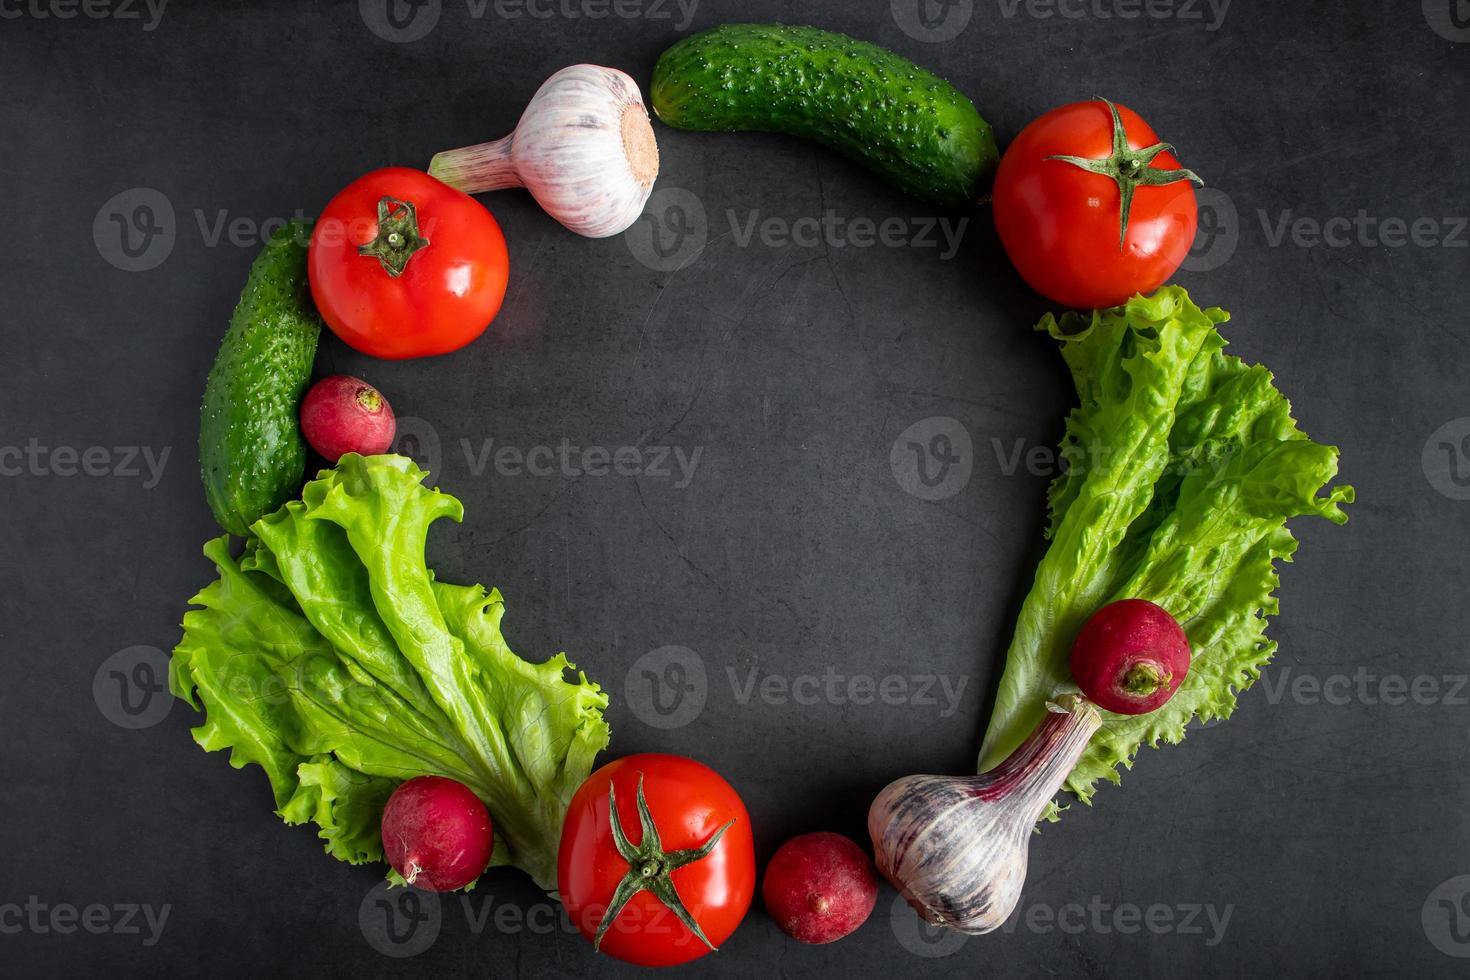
pixel 584 148
pixel 956 846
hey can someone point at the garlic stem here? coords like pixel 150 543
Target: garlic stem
pixel 480 168
pixel 1039 766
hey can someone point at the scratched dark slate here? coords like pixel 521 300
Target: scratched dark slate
pixel 1324 830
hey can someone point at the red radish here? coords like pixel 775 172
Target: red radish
pixel 345 415
pixel 1130 657
pixel 819 887
pixel 437 833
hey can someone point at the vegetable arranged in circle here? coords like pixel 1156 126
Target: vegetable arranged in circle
pixel 436 833
pixel 331 655
pixel 342 415
pixel 1130 657
pixel 1184 465
pixel 957 847
pixel 905 124
pixel 819 887
pixel 657 863
pixel 583 148
pixel 1091 207
pixel 251 453
pixel 403 265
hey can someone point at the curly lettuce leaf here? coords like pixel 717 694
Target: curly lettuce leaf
pixel 1184 465
pixel 329 656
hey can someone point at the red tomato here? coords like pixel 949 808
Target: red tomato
pixel 1060 222
pixel 403 265
pixel 644 881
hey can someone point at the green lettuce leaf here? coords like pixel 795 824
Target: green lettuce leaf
pixel 329 656
pixel 1184 465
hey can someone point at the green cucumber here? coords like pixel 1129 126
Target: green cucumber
pixel 906 124
pixel 251 452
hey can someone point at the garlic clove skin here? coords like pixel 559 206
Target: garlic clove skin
pixel 584 148
pixel 957 847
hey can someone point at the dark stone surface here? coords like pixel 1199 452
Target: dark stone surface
pixel 1324 829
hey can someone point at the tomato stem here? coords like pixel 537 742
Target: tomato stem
pixel 398 235
pixel 1129 168
pixel 649 866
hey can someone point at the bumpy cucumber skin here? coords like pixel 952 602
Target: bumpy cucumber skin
pixel 906 124
pixel 251 451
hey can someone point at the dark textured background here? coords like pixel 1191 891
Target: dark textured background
pixel 1323 828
